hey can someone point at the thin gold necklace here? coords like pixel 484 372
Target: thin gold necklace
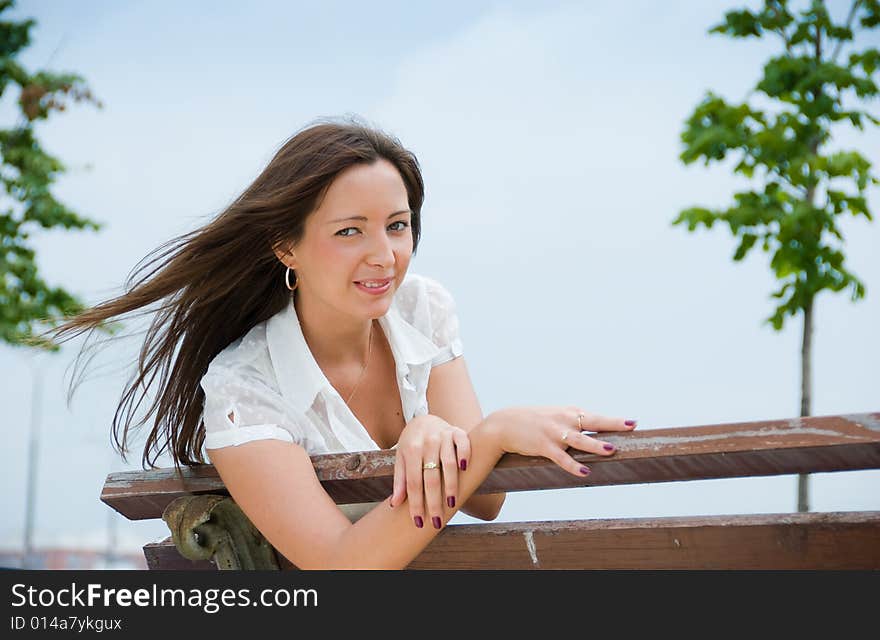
pixel 364 370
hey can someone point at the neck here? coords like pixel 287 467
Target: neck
pixel 335 340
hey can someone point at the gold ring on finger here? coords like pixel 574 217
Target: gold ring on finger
pixel 429 465
pixel 580 426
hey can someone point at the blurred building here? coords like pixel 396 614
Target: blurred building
pixel 71 558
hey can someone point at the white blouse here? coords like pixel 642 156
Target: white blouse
pixel 271 384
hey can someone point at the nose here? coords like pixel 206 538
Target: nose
pixel 381 252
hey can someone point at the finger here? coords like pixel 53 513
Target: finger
pixel 462 447
pixel 450 472
pixel 595 422
pixel 415 488
pixel 433 479
pixel 398 491
pixel 569 464
pixel 585 442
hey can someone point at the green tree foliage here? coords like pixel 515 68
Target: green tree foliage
pixel 27 205
pixel 801 188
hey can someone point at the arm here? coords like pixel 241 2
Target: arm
pixel 275 484
pixel 451 396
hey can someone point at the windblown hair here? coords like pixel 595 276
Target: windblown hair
pixel 213 284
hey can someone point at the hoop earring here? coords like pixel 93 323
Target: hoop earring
pixel 287 280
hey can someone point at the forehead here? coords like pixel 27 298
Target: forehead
pixel 364 189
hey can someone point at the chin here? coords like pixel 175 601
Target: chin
pixel 381 308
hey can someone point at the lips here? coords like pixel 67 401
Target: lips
pixel 375 291
pixel 381 282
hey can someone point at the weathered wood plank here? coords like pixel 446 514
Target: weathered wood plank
pixel 799 445
pixel 843 540
pixel 164 556
pixel 774 541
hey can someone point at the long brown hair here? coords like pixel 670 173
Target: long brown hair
pixel 213 284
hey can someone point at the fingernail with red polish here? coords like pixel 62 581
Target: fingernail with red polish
pixel 436 522
pixel 630 423
pixel 419 522
pixel 451 501
pixel 608 447
pixel 585 471
pixel 464 465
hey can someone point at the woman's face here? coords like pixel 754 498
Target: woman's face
pixel 361 231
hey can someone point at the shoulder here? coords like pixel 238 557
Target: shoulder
pixel 248 356
pixel 420 294
pixel 428 306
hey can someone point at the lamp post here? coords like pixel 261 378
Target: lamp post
pixel 33 461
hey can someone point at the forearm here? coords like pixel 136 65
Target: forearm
pixel 486 506
pixel 387 538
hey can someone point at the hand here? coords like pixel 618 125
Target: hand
pixel 429 439
pixel 539 431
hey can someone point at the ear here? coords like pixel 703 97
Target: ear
pixel 285 255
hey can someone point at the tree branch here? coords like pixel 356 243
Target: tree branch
pixel 781 30
pixel 849 19
pixel 785 39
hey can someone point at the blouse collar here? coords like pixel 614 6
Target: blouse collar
pixel 299 376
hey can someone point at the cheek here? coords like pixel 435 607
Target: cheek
pixel 403 253
pixel 405 246
pixel 334 254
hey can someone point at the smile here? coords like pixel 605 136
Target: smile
pixel 379 286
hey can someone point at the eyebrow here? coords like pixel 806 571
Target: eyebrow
pixel 364 218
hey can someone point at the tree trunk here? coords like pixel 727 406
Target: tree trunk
pixel 803 497
pixel 803 479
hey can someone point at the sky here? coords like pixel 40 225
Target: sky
pixel 548 134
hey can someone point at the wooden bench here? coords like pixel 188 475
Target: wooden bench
pixel 211 532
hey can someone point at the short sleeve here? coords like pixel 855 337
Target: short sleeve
pixel 242 406
pixel 445 332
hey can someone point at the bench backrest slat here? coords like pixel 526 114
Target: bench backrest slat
pixel 769 447
pixel 800 541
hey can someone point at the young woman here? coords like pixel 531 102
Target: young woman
pixel 291 326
